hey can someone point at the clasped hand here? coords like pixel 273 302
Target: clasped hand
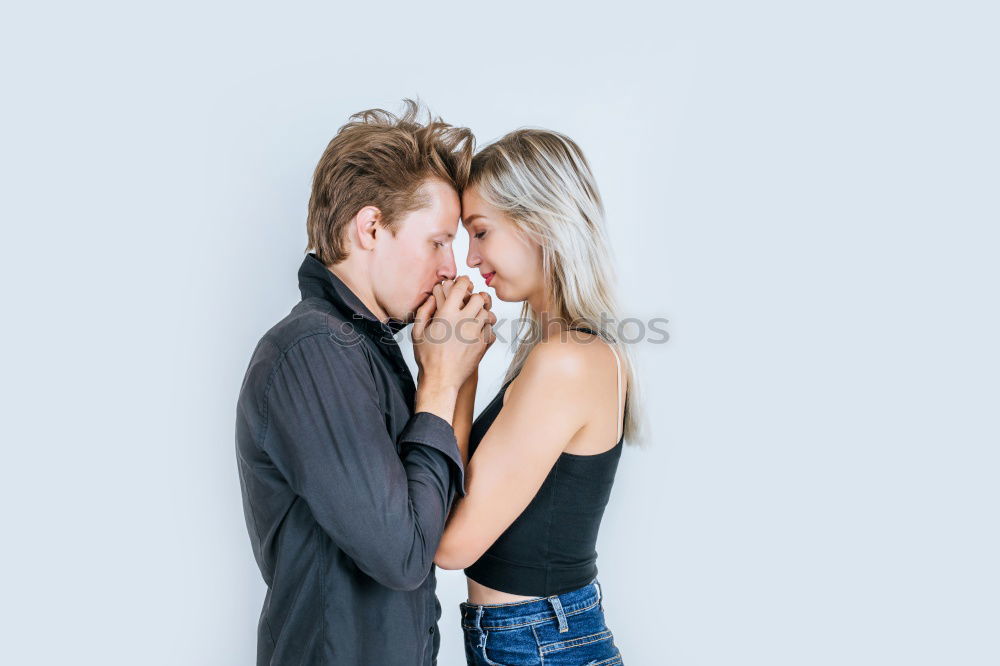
pixel 452 330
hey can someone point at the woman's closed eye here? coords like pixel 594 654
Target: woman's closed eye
pixel 480 234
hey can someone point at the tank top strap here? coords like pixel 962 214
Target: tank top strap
pixel 618 376
pixel 618 392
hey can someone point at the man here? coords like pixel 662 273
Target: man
pixel 347 469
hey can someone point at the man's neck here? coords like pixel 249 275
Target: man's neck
pixel 356 278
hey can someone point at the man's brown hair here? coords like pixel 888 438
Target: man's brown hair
pixel 379 159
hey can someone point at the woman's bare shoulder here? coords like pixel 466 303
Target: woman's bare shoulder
pixel 572 356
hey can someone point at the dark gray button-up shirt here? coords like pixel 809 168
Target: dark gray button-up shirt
pixel 345 489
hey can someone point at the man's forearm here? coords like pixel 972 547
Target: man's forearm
pixel 437 399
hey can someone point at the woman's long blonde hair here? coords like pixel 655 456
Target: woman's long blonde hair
pixel 542 181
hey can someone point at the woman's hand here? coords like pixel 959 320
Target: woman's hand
pixel 489 335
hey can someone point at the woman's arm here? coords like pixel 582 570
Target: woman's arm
pixel 545 407
pixel 464 406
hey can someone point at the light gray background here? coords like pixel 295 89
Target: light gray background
pixel 807 191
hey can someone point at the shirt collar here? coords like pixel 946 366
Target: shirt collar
pixel 318 281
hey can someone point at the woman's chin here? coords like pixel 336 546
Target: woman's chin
pixel 501 292
pixel 507 299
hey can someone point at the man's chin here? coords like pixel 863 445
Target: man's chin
pixel 411 316
pixel 408 318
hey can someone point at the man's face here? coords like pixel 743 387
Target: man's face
pixel 405 267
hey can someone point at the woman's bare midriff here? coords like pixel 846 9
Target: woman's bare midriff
pixel 480 594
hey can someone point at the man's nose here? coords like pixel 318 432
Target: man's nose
pixel 448 271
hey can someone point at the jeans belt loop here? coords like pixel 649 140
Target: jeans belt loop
pixel 479 619
pixel 560 614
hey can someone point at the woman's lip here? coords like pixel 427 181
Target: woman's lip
pixel 488 277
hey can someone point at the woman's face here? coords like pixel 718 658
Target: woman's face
pixel 510 263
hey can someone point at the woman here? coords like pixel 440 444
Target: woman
pixel 541 458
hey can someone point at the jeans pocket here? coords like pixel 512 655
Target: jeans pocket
pixel 587 641
pixel 501 647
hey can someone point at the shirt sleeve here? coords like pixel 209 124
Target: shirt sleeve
pixel 326 433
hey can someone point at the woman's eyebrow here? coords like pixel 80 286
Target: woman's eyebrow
pixel 467 220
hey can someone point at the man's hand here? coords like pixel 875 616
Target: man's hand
pixel 451 332
pixel 447 286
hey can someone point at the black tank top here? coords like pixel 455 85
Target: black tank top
pixel 549 548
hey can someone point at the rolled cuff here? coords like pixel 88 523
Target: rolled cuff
pixel 433 431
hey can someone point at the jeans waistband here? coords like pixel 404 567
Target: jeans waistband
pixel 531 611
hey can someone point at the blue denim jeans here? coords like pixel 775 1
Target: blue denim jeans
pixel 561 630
